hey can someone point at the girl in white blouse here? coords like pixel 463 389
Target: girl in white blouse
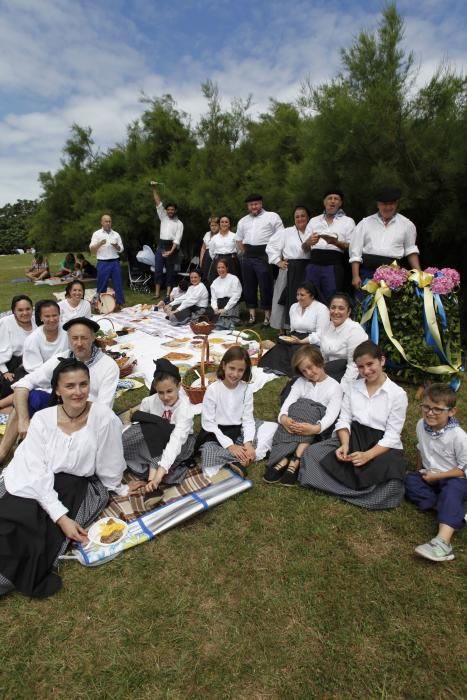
pixel 230 436
pixel 204 255
pixel 364 463
pixel 48 339
pixel 14 330
pixel 223 245
pixel 190 305
pixel 226 291
pixel 310 409
pixel 57 482
pixel 159 443
pixel 74 304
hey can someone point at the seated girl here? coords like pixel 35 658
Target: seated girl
pixel 74 304
pixel 67 266
pixel 226 291
pixel 307 414
pixel 159 443
pixel 364 463
pixel 48 339
pixel 190 305
pixel 176 292
pixel 85 267
pixel 57 482
pixel 230 436
pixel 14 330
pixel 39 269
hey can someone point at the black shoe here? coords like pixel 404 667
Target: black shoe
pixel 290 476
pixel 274 473
pixel 238 469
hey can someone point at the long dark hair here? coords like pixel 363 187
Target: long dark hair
pixel 20 297
pixel 43 304
pixel 70 286
pixel 66 364
pixel 236 352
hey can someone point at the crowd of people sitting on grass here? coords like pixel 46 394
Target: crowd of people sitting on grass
pixel 339 423
pixel 73 266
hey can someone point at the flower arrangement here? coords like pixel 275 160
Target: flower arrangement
pixel 414 317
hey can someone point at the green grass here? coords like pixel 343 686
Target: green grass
pixel 277 594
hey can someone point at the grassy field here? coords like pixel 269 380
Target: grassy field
pixel 280 593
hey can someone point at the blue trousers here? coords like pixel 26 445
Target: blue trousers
pixel 326 278
pixel 256 272
pixel 446 496
pixel 106 270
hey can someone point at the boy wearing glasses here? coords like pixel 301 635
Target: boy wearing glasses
pixel 441 482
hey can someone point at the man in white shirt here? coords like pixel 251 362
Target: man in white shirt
pixel 254 231
pixel 107 246
pixel 171 233
pixel 381 238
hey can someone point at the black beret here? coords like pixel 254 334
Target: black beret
pixel 388 194
pixel 163 365
pixel 334 191
pixel 255 197
pixel 84 321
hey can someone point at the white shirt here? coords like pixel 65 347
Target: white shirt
pixel 171 229
pixel 181 418
pixel 196 295
pixel 12 339
pixel 106 251
pixel 67 311
pixel 224 406
pixel 445 452
pixel 258 230
pixel 207 239
pixel 103 378
pixel 327 392
pixel 222 244
pixel 343 225
pixel 228 286
pixel 47 450
pixel 37 349
pixel 394 240
pixel 385 410
pixel 314 319
pixel 286 244
pixel 339 342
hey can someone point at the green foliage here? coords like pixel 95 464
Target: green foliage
pixel 15 220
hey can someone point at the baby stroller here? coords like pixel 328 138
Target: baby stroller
pixel 139 275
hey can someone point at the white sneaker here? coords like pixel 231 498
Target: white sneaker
pixel 435 550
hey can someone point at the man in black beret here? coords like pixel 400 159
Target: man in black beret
pixel 254 231
pixel 383 237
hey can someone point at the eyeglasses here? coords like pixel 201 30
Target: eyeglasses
pixel 435 410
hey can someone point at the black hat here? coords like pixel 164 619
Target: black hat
pixel 388 194
pixel 84 321
pixel 163 365
pixel 333 191
pixel 255 197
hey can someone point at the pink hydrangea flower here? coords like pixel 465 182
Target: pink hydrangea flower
pixel 452 274
pixel 395 277
pixel 431 270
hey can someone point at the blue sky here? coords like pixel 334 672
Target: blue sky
pixel 65 61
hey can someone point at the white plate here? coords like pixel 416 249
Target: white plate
pixel 94 532
pixel 286 339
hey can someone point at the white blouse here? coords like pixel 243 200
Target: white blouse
pixel 385 410
pixel 339 342
pixel 444 452
pixel 68 311
pixel 224 406
pixel 343 225
pixel 37 349
pixel 221 244
pixel 181 418
pixel 393 240
pixel 328 392
pixel 286 244
pixel 47 450
pixel 229 286
pixel 196 295
pixel 207 239
pixel 12 339
pixel 314 319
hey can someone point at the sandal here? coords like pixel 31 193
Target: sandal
pixel 274 473
pixel 290 476
pixel 238 469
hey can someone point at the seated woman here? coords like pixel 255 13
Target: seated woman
pixel 339 340
pixel 308 320
pixel 57 483
pixel 48 339
pixel 307 414
pixel 226 291
pixel 39 269
pixel 223 245
pixel 205 259
pixel 14 330
pixel 364 463
pixel 74 304
pixel 67 266
pixel 87 269
pixel 159 443
pixel 190 305
pixel 285 249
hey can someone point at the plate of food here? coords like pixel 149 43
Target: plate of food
pixel 107 531
pixel 216 341
pixel 182 367
pixel 173 356
pixel 287 338
pixel 175 343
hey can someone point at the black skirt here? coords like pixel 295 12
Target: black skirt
pixel 279 358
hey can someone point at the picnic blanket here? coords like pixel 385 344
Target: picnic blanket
pixel 54 281
pixel 158 520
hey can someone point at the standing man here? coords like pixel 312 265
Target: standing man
pixel 328 244
pixel 107 245
pixel 254 231
pixel 381 238
pixel 171 233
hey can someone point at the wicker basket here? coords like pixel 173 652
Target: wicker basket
pixel 202 328
pixel 254 360
pixel 103 341
pixel 196 393
pixel 127 369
